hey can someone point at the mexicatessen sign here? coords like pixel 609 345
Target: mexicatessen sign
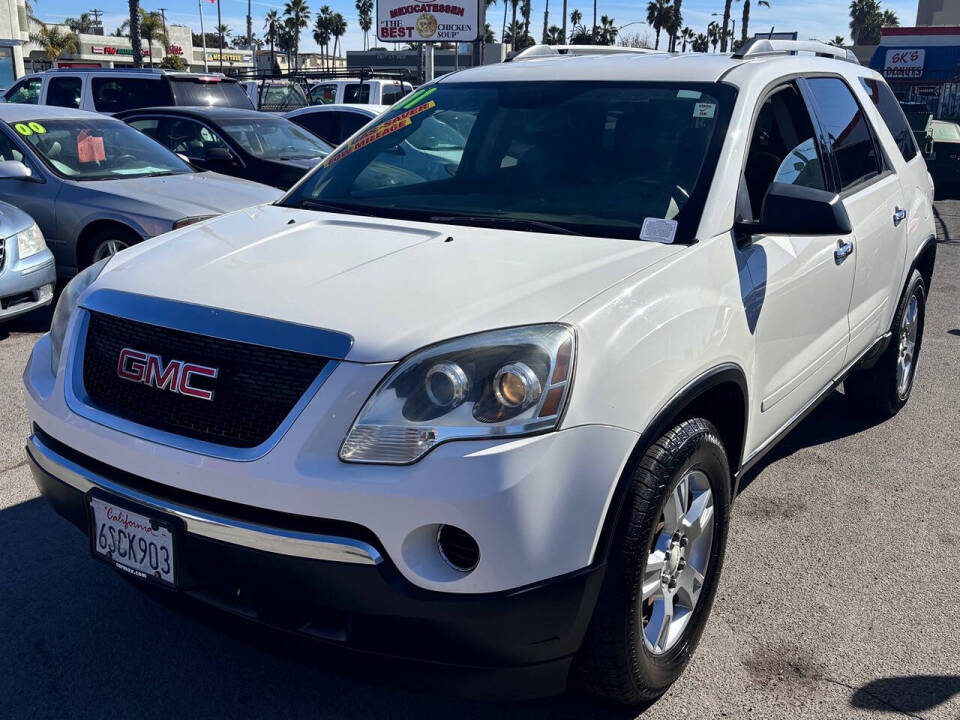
pixel 457 21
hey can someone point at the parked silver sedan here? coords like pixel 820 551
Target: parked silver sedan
pixel 27 274
pixel 95 185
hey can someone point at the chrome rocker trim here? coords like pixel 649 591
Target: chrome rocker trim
pixel 216 527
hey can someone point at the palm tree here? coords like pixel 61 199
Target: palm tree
pixel 746 17
pixel 713 34
pixel 321 32
pixel 151 26
pixel 272 27
pixel 513 24
pixel 726 24
pixel 512 34
pixel 546 20
pixel 82 24
pixel 608 30
pixel 365 19
pixel 838 41
pixel 866 19
pixel 687 35
pixel 55 42
pixel 134 23
pixel 297 13
pixel 576 17
pixel 593 33
pixel 701 43
pixel 890 19
pixel 675 26
pixel 563 25
pixel 338 28
pixel 554 36
pixel 659 16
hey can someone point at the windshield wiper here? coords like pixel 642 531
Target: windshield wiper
pixel 328 207
pixel 499 221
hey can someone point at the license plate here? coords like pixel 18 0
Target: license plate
pixel 140 545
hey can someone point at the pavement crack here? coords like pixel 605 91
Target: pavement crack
pixel 13 467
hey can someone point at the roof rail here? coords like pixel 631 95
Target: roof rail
pixel 758 47
pixel 361 72
pixel 75 70
pixel 535 52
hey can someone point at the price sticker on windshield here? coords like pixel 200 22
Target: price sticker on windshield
pixel 37 128
pixel 23 129
pixel 704 110
pixel 658 230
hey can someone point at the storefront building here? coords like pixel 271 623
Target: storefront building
pixel 922 64
pixel 13 34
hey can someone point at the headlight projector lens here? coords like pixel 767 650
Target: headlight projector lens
pixel 516 385
pixel 447 384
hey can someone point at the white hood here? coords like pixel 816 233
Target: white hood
pixel 394 286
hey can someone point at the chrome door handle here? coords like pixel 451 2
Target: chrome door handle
pixel 898 216
pixel 843 251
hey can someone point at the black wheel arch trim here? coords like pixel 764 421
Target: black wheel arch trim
pixel 664 419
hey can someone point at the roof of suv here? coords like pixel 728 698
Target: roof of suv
pixel 24 112
pixel 147 72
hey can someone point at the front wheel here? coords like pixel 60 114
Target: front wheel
pixel 108 242
pixel 663 568
pixel 885 388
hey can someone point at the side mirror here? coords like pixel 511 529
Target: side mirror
pixel 796 210
pixel 15 170
pixel 219 155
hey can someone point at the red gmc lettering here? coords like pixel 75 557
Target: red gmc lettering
pixel 176 376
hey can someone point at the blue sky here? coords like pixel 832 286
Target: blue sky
pixel 822 19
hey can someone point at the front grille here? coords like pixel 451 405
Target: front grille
pixel 255 389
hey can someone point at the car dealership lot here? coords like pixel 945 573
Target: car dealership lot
pixel 838 599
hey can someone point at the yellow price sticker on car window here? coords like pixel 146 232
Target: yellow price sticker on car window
pixel 37 128
pixel 23 129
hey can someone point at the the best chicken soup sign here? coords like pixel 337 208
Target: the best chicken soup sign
pixel 427 21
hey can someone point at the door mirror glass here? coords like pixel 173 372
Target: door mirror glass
pixel 219 155
pixel 797 210
pixel 14 170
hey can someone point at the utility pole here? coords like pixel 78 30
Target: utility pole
pixel 96 12
pixel 203 37
pixel 166 39
pixel 220 33
pixel 249 27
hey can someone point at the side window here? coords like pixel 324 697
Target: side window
pixel 782 149
pixel 64 92
pixel 323 94
pixel 391 93
pixel 847 131
pixel 357 93
pixel 192 139
pixel 889 108
pixel 112 95
pixel 148 126
pixel 325 125
pixel 351 123
pixel 7 149
pixel 26 91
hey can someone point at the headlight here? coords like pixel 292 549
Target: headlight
pixel 183 222
pixel 67 304
pixel 490 385
pixel 30 242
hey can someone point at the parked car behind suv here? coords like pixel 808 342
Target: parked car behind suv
pixel 243 143
pixel 107 90
pixel 494 417
pixel 96 186
pixel 27 273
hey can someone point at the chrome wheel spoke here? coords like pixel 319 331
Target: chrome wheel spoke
pixel 676 506
pixel 700 515
pixel 652 582
pixel 689 586
pixel 657 631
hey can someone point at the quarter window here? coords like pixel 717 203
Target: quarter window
pixel 846 131
pixel 112 95
pixel 25 91
pixel 886 103
pixel 64 92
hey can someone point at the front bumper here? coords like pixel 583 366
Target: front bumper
pixel 26 285
pixel 334 584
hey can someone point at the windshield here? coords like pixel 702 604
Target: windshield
pixel 275 139
pixel 579 157
pixel 97 149
pixel 212 91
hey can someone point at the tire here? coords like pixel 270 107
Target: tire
pixel 626 657
pixel 108 242
pixel 886 387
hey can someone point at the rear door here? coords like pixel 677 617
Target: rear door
pixel 874 199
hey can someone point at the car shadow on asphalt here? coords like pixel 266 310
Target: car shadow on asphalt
pixel 79 639
pixel 36 321
pixel 910 694
pixel 834 418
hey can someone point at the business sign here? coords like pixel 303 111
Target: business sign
pixel 927 91
pixel 456 21
pixel 110 50
pixel 904 64
pixel 175 50
pixel 230 57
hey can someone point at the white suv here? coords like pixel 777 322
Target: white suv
pixel 493 413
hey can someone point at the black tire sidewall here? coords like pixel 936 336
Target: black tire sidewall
pixel 916 287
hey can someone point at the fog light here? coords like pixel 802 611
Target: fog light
pixel 457 548
pixel 516 385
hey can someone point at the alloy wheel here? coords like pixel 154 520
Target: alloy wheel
pixel 108 248
pixel 909 327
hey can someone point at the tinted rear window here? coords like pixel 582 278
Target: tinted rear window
pixel 357 93
pixel 113 94
pixel 223 93
pixel 886 103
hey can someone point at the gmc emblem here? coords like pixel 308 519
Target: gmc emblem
pixel 176 376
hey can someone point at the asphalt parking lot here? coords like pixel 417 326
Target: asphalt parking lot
pixel 839 596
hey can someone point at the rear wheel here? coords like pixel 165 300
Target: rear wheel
pixel 886 387
pixel 663 568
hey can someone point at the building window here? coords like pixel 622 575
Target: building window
pixel 8 72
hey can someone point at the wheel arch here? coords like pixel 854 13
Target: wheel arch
pixel 719 395
pixel 924 262
pixel 91 230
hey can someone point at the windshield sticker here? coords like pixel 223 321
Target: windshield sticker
pixel 388 126
pixel 37 128
pixel 23 129
pixel 658 230
pixel 90 148
pixel 416 97
pixel 704 110
pixel 688 94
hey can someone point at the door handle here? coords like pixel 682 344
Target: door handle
pixel 898 216
pixel 843 251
